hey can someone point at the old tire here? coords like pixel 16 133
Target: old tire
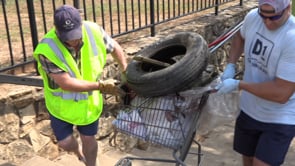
pixel 187 54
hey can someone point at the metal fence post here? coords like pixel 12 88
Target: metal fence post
pixel 33 27
pixel 77 4
pixel 216 7
pixel 31 12
pixel 3 2
pixel 152 15
pixel 241 2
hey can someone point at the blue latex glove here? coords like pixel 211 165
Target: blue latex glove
pixel 229 72
pixel 227 86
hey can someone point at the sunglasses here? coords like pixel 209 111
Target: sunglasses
pixel 272 18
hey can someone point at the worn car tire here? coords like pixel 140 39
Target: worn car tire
pixel 187 54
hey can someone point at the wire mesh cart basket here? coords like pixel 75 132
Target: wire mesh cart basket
pixel 170 121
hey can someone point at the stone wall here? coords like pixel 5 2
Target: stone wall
pixel 24 124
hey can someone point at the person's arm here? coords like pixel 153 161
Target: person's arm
pixel 282 87
pixel 115 49
pixel 119 56
pixel 63 79
pixel 65 82
pixel 277 91
pixel 236 49
pixel 68 83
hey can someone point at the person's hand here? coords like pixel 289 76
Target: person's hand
pixel 229 71
pixel 110 87
pixel 123 77
pixel 227 86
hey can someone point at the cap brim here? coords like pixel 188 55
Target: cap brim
pixel 70 35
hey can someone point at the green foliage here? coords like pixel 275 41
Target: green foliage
pixel 293 8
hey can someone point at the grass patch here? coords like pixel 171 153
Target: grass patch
pixel 293 8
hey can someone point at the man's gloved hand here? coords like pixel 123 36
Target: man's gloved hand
pixel 123 77
pixel 110 87
pixel 229 71
pixel 227 86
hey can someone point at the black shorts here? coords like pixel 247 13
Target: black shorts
pixel 269 142
pixel 63 129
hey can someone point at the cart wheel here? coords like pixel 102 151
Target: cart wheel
pixel 124 162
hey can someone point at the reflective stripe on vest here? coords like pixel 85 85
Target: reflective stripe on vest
pixel 58 52
pixel 91 38
pixel 71 95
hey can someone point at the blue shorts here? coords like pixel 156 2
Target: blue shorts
pixel 63 129
pixel 269 142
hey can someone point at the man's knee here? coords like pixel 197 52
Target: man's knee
pixel 67 143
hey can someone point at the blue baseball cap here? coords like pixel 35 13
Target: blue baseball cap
pixel 67 21
pixel 278 5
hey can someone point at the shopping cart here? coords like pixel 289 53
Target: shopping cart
pixel 146 118
pixel 170 121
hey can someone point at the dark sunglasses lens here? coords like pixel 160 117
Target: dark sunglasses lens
pixel 272 18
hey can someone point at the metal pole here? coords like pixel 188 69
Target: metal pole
pixel 152 15
pixel 33 26
pixel 77 4
pixel 216 7
pixel 34 33
pixel 8 33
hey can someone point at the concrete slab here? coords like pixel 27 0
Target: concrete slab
pixel 67 159
pixel 37 161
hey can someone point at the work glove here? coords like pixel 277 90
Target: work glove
pixel 129 93
pixel 229 71
pixel 110 86
pixel 123 77
pixel 227 86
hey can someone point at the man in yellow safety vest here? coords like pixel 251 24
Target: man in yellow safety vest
pixel 71 58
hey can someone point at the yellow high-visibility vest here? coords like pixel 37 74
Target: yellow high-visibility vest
pixel 79 108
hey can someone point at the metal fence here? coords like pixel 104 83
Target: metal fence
pixel 24 22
